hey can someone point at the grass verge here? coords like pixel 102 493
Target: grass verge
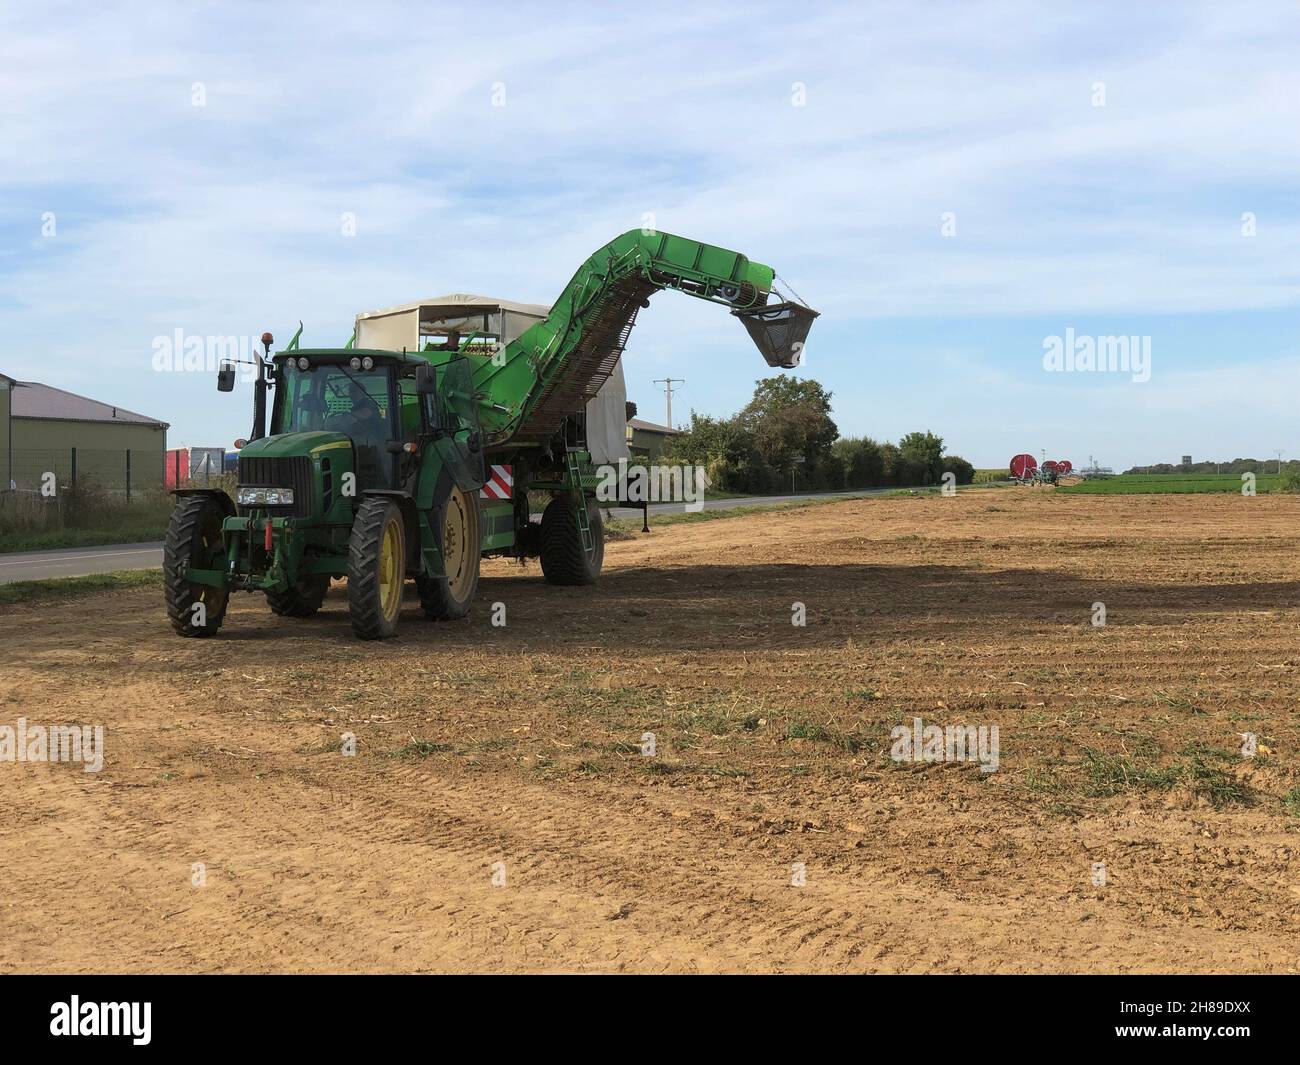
pixel 626 528
pixel 59 588
pixel 53 539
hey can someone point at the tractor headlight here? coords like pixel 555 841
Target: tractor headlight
pixel 367 363
pixel 354 362
pixel 265 497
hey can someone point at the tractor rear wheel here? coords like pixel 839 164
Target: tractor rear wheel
pixel 300 600
pixel 457 522
pixel 194 542
pixel 376 569
pixel 564 560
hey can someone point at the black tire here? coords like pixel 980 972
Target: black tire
pixel 193 539
pixel 376 569
pixel 300 600
pixel 563 559
pixel 456 524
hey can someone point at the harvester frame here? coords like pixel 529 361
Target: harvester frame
pixel 375 457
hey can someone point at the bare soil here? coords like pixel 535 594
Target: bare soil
pixel 499 814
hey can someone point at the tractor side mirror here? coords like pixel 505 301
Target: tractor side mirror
pixel 226 378
pixel 426 382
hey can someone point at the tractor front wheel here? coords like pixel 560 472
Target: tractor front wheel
pixel 194 542
pixel 564 558
pixel 457 520
pixel 300 600
pixel 376 569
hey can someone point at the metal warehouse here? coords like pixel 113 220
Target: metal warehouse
pixel 43 428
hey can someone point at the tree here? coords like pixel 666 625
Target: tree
pixel 860 463
pixel 921 458
pixel 790 420
pixel 960 468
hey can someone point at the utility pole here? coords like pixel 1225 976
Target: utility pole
pixel 668 383
pixel 1279 452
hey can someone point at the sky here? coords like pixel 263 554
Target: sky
pixel 950 185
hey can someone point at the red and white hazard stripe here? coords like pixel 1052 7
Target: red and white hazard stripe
pixel 500 483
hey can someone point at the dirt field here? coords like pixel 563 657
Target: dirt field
pixel 519 745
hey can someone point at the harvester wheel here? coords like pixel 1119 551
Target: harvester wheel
pixel 300 600
pixel 376 569
pixel 457 521
pixel 193 540
pixel 564 561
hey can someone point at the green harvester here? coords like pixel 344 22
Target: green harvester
pixel 375 463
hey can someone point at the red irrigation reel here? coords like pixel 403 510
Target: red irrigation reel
pixel 1024 468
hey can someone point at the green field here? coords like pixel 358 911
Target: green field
pixel 1147 483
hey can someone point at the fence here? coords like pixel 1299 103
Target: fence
pixel 46 472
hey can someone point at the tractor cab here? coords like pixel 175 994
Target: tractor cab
pixel 361 412
pixel 372 398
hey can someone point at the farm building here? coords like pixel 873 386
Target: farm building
pixel 646 439
pixel 45 429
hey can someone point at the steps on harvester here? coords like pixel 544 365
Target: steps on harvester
pixel 575 479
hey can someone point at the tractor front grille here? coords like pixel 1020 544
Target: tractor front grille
pixel 294 472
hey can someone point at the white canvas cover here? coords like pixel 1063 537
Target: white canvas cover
pixel 607 420
pixel 405 326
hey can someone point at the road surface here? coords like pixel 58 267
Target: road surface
pixel 78 561
pixel 81 561
pixel 743 501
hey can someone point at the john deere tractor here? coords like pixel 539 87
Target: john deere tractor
pixel 410 452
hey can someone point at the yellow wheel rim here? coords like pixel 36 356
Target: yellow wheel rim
pixel 456 547
pixel 390 582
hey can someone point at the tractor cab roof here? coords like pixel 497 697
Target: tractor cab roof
pixel 334 355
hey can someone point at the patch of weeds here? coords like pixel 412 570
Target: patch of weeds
pixel 1114 774
pixel 590 768
pixel 1202 752
pixel 1175 703
pixel 1291 802
pixel 1219 787
pixel 863 693
pixel 750 724
pixel 419 749
pixel 845 741
pixel 499 743
pixel 658 768
pixel 1110 774
pixel 711 721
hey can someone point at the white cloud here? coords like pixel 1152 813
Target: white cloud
pixel 225 219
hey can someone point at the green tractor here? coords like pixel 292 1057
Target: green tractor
pixel 411 451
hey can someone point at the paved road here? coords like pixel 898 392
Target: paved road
pixel 80 561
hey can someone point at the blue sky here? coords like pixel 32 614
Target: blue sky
pixel 1122 219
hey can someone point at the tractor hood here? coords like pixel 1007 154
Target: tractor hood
pixel 287 445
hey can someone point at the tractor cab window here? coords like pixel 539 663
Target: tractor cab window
pixel 410 416
pixel 334 398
